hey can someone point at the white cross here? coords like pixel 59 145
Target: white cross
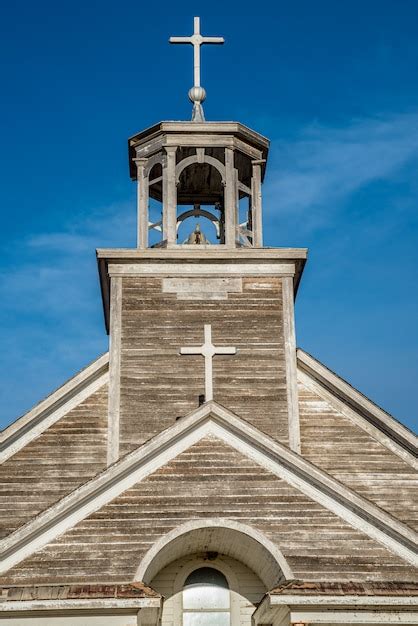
pixel 208 350
pixel 197 40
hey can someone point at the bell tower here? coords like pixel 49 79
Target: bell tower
pixel 212 171
pixel 200 310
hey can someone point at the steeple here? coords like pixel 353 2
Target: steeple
pixel 212 171
pixel 199 266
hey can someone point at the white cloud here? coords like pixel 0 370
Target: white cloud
pixel 322 165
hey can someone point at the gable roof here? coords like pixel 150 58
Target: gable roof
pixel 354 405
pixel 55 406
pixel 210 419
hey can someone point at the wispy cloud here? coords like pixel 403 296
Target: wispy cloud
pixel 322 166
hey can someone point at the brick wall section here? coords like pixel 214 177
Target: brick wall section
pixel 158 385
pixel 210 480
pixel 338 446
pixel 67 454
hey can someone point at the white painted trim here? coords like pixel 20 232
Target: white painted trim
pixel 275 607
pixel 356 417
pixel 214 522
pixel 342 600
pixel 157 452
pixel 201 269
pixel 54 407
pixel 100 604
pixel 114 370
pixel 370 413
pixel 290 360
pixel 353 617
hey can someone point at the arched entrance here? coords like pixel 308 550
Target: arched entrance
pixel 204 553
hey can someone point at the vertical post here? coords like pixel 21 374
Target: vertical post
pixel 114 369
pixel 230 200
pixel 256 207
pixel 291 365
pixel 142 204
pixel 170 198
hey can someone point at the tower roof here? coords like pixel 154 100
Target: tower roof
pixel 231 134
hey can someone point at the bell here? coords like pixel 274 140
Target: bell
pixel 197 237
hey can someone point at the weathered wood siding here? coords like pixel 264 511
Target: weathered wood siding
pixel 337 445
pixel 63 457
pixel 158 385
pixel 249 589
pixel 210 480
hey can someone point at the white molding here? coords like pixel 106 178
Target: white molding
pixel 202 269
pixel 99 604
pixel 339 402
pixel 342 600
pixel 157 452
pixel 353 617
pixel 335 609
pixel 114 370
pixel 290 360
pixel 54 407
pixel 214 522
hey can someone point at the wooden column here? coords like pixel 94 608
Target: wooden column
pixel 114 369
pixel 142 204
pixel 170 198
pixel 291 365
pixel 230 200
pixel 256 206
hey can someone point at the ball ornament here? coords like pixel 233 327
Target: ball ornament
pixel 197 94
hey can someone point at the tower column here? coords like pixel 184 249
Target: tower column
pixel 170 198
pixel 230 200
pixel 142 204
pixel 256 208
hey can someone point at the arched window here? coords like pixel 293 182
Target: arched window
pixel 206 599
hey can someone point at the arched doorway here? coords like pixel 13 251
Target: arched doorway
pixel 245 560
pixel 208 589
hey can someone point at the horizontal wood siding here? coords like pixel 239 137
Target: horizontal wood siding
pixel 210 480
pixel 158 385
pixel 337 445
pixel 67 454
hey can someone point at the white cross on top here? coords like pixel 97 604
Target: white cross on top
pixel 197 40
pixel 208 351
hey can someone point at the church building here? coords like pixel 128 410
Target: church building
pixel 206 471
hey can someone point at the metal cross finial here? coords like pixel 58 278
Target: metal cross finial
pixel 197 94
pixel 208 350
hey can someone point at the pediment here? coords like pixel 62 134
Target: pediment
pixel 210 420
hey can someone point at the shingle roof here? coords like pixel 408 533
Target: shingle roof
pixel 300 587
pixel 77 592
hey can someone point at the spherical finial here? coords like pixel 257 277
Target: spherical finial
pixel 197 94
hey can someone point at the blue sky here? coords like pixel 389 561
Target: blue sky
pixel 333 85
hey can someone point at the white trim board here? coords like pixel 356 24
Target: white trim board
pixel 99 604
pixel 54 407
pixel 352 404
pixel 335 609
pixel 209 419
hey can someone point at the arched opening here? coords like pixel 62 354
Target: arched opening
pixel 224 536
pixel 208 589
pixel 200 200
pixel 206 598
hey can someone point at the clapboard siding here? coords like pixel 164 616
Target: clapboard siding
pixel 210 480
pixel 158 385
pixel 337 445
pixel 248 592
pixel 67 454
